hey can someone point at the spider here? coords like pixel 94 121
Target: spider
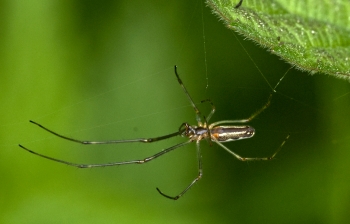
pixel 218 132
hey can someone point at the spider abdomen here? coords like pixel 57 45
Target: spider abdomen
pixel 231 133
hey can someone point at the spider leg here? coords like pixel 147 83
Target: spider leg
pixel 198 113
pixel 142 140
pixel 212 108
pixel 266 105
pixel 200 174
pixel 252 159
pixel 254 115
pixel 142 161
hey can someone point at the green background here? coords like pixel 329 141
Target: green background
pixel 102 70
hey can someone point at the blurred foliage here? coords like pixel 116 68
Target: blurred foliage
pixel 311 35
pixel 103 70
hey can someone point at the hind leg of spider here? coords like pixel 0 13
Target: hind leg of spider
pixel 254 115
pixel 200 173
pixel 253 159
pixel 266 105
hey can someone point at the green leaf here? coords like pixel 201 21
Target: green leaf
pixel 312 35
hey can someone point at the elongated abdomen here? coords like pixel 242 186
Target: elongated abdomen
pixel 231 133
